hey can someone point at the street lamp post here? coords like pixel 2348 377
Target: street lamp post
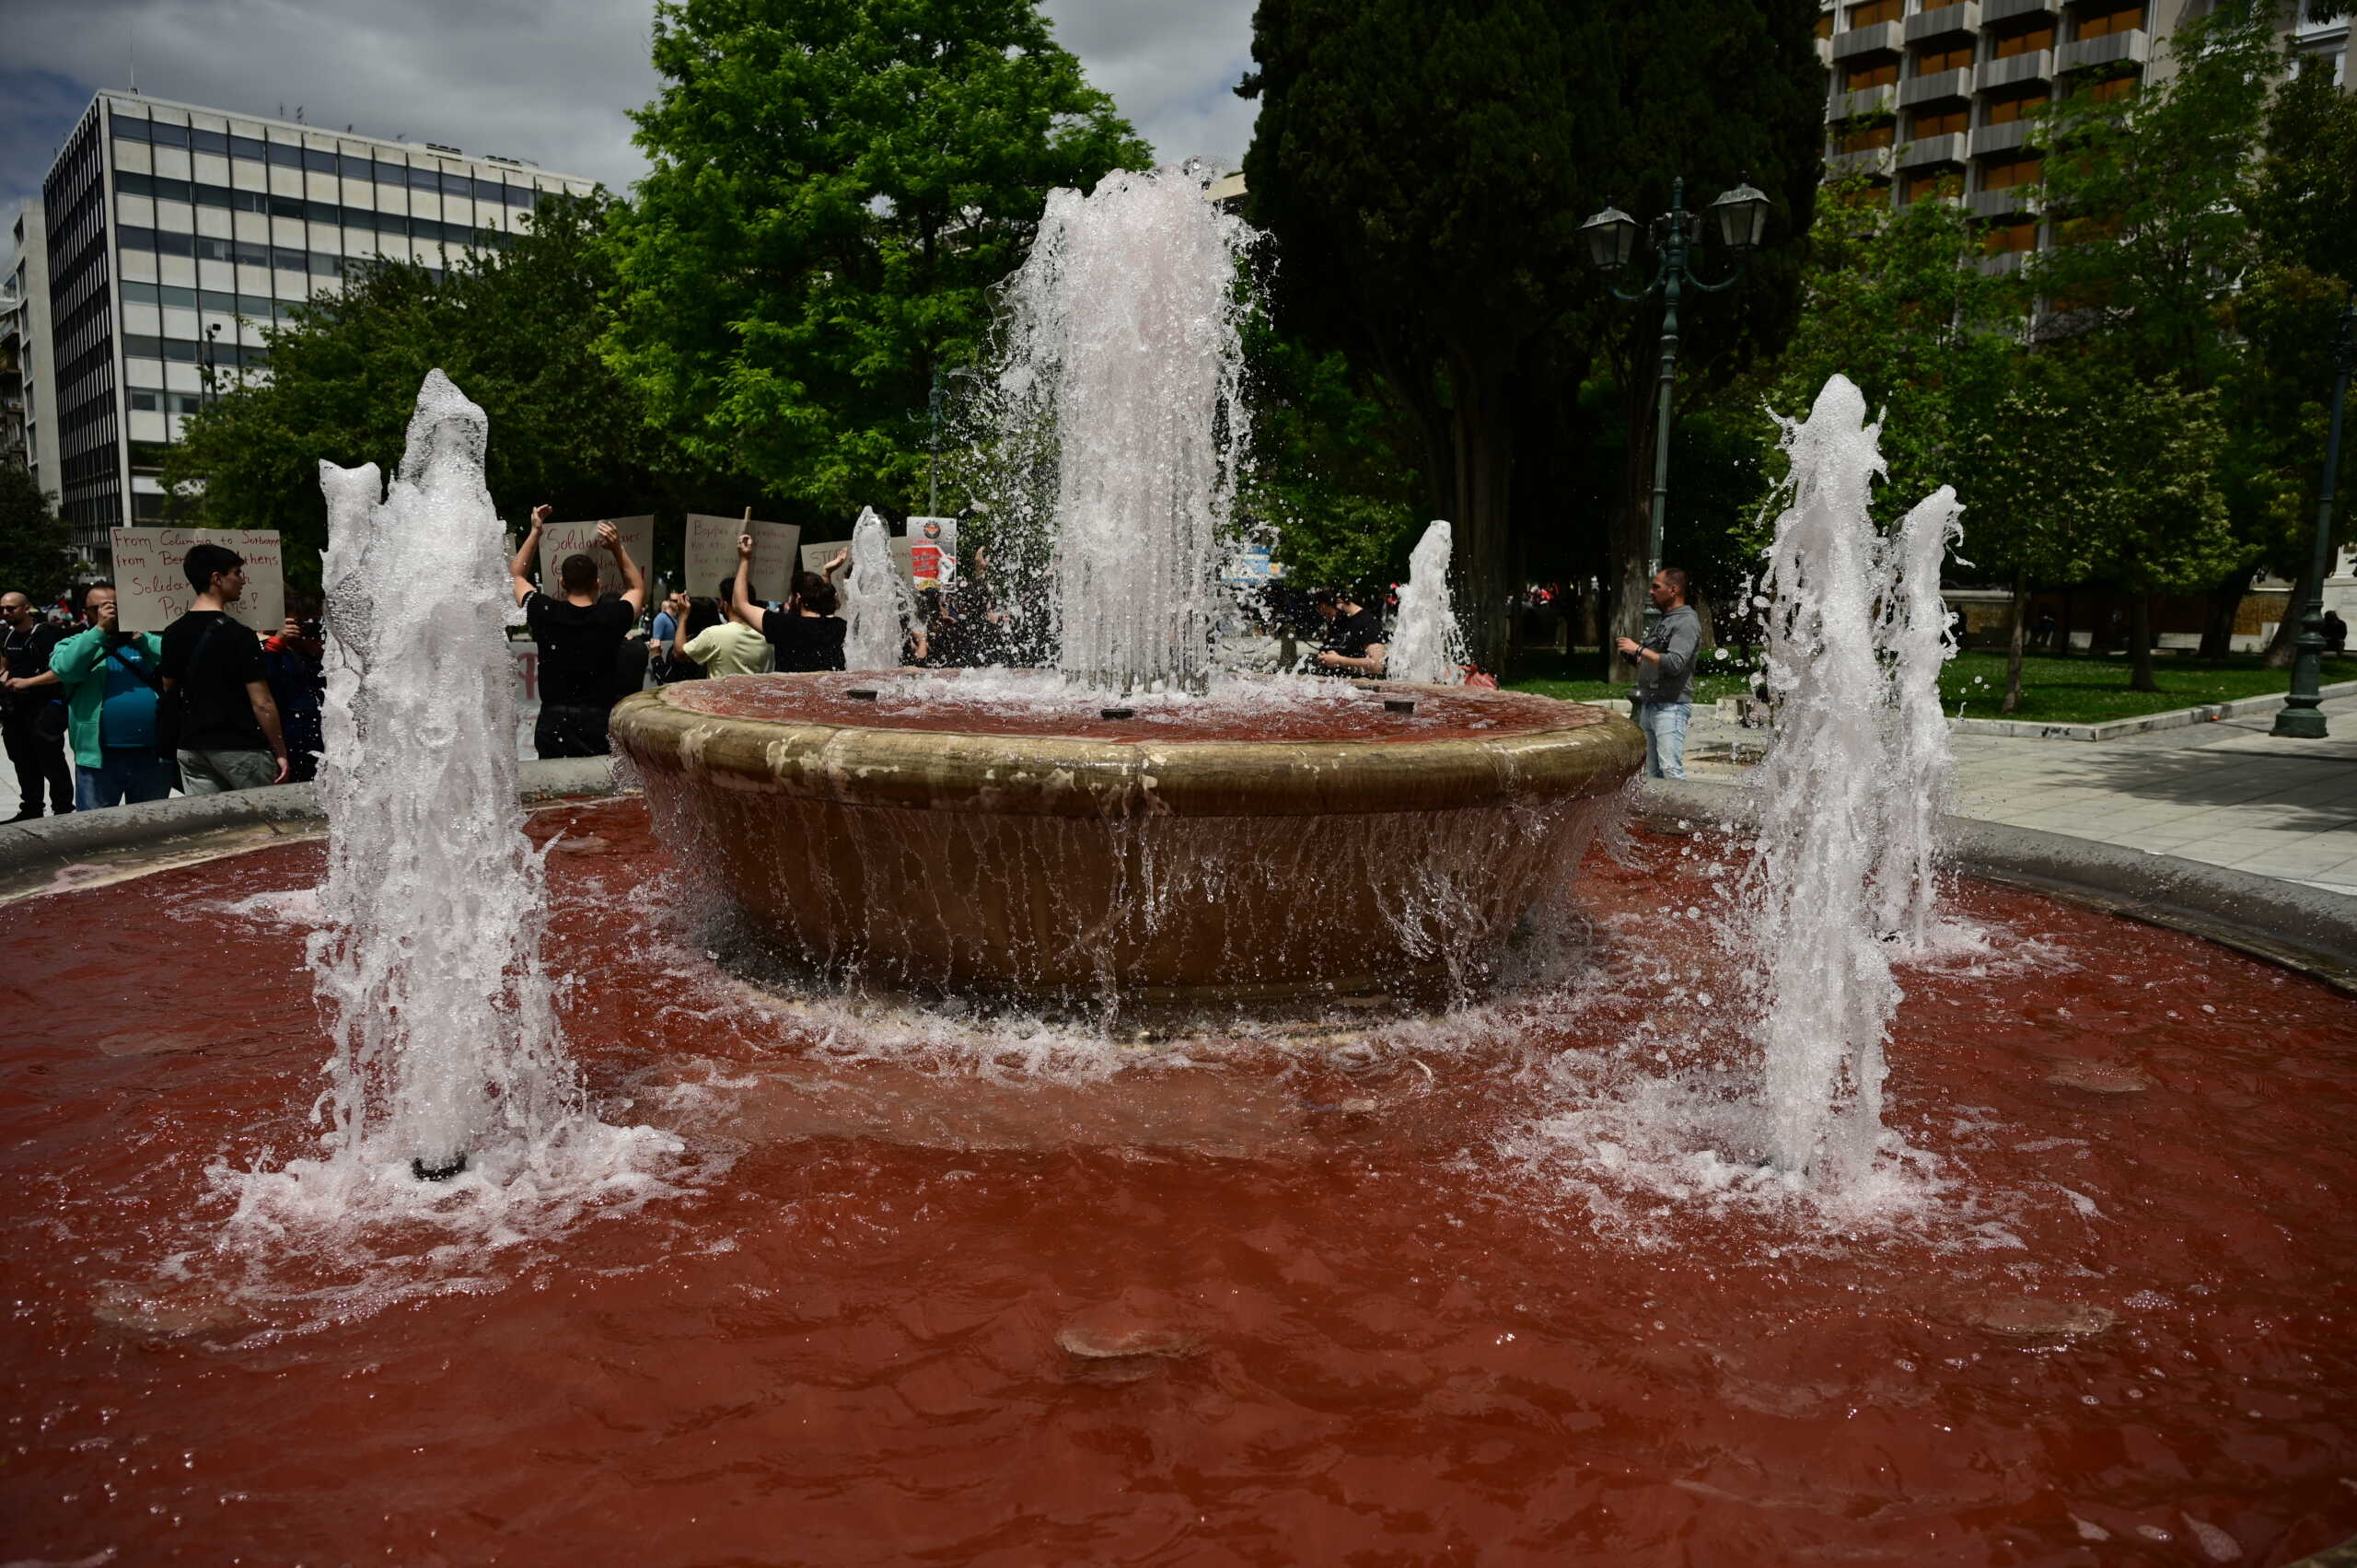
pixel 1611 237
pixel 2302 716
pixel 211 369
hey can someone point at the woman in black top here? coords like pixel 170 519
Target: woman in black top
pixel 808 633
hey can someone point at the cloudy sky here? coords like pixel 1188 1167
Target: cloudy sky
pixel 548 80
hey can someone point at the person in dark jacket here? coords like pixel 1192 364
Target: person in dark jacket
pixel 26 639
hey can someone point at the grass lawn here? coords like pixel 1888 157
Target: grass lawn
pixel 2078 690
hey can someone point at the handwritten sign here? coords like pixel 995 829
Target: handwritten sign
pixel 561 540
pixel 815 556
pixel 933 551
pixel 710 554
pixel 151 593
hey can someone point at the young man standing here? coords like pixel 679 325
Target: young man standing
pixel 580 640
pixel 229 737
pixel 112 677
pixel 26 639
pixel 1664 699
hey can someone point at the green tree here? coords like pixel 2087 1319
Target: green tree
pixel 837 186
pixel 1327 479
pixel 36 554
pixel 1424 165
pixel 516 329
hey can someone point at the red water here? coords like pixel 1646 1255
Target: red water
pixel 1360 1330
pixel 917 703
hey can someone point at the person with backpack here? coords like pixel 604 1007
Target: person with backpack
pixel 216 714
pixel 111 679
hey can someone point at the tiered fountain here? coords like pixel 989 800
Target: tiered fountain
pixel 1137 826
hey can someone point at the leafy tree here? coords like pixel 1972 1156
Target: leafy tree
pixel 837 186
pixel 1424 165
pixel 1327 479
pixel 516 329
pixel 36 544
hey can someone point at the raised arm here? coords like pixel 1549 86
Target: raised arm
pixel 675 606
pixel 633 580
pixel 842 560
pixel 741 592
pixel 519 570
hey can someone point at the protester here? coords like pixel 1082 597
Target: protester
pixel 35 734
pixel 1352 639
pixel 218 716
pixel 580 640
pixel 293 660
pixel 109 679
pixel 696 617
pixel 705 644
pixel 806 635
pixel 1664 698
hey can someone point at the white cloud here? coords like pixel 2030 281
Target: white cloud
pixel 548 80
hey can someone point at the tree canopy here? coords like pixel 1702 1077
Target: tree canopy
pixel 36 558
pixel 837 187
pixel 516 329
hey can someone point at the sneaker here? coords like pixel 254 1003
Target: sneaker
pixel 25 816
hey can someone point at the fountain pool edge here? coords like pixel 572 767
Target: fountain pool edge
pixel 2300 928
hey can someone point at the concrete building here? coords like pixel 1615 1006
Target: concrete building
pixel 1932 98
pixel 170 236
pixel 27 393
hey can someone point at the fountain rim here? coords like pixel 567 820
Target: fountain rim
pixel 1065 775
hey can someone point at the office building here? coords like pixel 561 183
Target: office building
pixel 171 234
pixel 28 397
pixel 1938 99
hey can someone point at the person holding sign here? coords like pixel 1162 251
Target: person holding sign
pixel 218 715
pixel 580 639
pixel 806 635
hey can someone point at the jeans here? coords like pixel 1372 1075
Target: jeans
pixel 216 772
pixel 1664 727
pixel 129 776
pixel 562 730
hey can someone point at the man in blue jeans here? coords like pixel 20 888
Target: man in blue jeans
pixel 1664 698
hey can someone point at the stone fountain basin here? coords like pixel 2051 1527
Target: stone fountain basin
pixel 1379 853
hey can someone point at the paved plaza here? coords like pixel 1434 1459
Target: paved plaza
pixel 2225 793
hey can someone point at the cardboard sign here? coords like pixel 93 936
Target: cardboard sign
pixel 710 554
pixel 150 592
pixel 815 556
pixel 933 551
pixel 561 540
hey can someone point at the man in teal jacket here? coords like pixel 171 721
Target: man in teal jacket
pixel 109 678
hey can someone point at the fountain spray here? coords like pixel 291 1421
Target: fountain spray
pixel 875 600
pixel 428 967
pixel 1124 363
pixel 1425 643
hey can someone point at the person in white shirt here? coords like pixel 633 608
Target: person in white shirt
pixel 727 647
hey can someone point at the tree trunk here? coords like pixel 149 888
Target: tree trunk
pixel 2279 647
pixel 1483 452
pixel 2140 642
pixel 1631 538
pixel 2015 645
pixel 2225 600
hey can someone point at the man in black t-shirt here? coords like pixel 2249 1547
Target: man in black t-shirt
pixel 580 640
pixel 1353 643
pixel 225 727
pixel 28 639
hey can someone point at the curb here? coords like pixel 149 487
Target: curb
pixel 47 844
pixel 2283 923
pixel 2174 718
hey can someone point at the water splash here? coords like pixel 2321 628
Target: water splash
pixel 1855 756
pixel 1425 642
pixel 447 1057
pixel 877 601
pixel 1121 382
pixel 1915 634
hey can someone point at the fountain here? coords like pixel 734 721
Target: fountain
pixel 875 600
pixel 1425 643
pixel 948 1282
pixel 1138 830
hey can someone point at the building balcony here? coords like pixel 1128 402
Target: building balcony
pixel 1995 11
pixel 1939 84
pixel 1943 21
pixel 2001 264
pixel 1866 160
pixel 1929 150
pixel 1883 38
pixel 2031 66
pixel 2015 200
pixel 1864 100
pixel 2012 136
pixel 2134 45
